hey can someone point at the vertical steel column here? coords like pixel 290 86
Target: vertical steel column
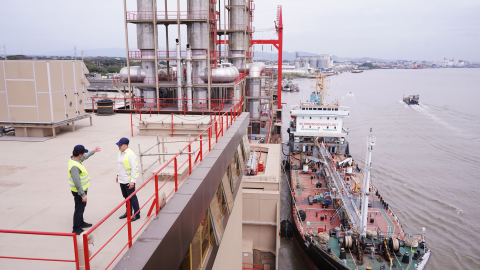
pixel 128 53
pixel 155 36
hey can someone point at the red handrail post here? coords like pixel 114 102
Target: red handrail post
pixel 172 125
pixel 75 247
pixel 157 205
pixel 129 223
pixel 85 252
pixel 150 111
pixel 190 159
pixel 131 122
pixel 216 131
pixel 140 111
pixel 209 137
pixel 175 168
pixel 201 148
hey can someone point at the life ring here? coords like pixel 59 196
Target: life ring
pixel 419 238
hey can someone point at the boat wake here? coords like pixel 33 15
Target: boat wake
pixel 426 111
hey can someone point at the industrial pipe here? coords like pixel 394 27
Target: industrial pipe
pixel 189 78
pixel 179 76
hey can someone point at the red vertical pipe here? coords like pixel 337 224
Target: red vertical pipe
pixel 209 137
pixel 190 159
pixel 129 222
pixel 150 111
pixel 172 124
pixel 75 246
pixel 175 169
pixel 131 122
pixel 85 252
pixel 201 148
pixel 157 204
pixel 280 52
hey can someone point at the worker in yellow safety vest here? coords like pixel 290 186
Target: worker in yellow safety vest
pixel 79 181
pixel 127 176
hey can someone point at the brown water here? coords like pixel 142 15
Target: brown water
pixel 426 156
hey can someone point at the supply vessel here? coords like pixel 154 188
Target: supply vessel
pixel 340 219
pixel 411 99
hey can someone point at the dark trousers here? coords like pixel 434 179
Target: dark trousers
pixel 79 209
pixel 133 200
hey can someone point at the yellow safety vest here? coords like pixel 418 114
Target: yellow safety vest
pixel 84 178
pixel 129 152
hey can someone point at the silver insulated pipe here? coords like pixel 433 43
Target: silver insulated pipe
pixel 179 76
pixel 146 42
pixel 236 40
pixel 197 33
pixel 189 78
pixel 255 70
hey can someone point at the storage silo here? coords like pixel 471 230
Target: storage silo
pixel 313 62
pixel 322 63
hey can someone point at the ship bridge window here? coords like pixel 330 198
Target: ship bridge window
pixel 310 117
pixel 336 109
pixel 329 109
pixel 324 109
pixel 315 109
pixel 328 118
pixel 335 127
pixel 335 118
pixel 303 109
pixel 310 109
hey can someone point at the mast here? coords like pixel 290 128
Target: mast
pixel 366 184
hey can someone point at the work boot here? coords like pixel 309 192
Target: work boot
pixel 123 216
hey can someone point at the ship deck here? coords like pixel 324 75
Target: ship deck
pixel 304 185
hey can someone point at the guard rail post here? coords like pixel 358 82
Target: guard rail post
pixel 85 252
pixel 172 125
pixel 201 148
pixel 190 158
pixel 75 246
pixel 157 206
pixel 175 169
pixel 129 223
pixel 210 136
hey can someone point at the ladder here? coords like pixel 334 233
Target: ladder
pixel 337 214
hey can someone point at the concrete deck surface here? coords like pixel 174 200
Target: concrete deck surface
pixel 35 195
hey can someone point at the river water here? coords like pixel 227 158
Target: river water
pixel 426 156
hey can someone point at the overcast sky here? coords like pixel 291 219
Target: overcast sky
pixel 388 29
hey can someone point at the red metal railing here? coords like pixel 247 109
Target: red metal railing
pixel 156 105
pixel 173 79
pixel 169 15
pixel 219 122
pixel 217 125
pixel 75 246
pixel 235 27
pixel 150 54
